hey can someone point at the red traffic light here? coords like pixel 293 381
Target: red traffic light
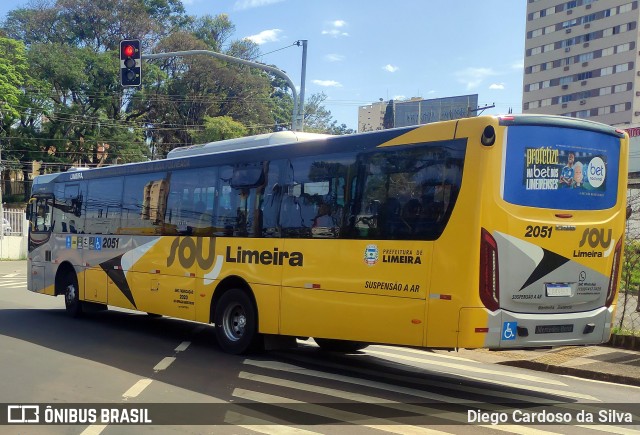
pixel 128 50
pixel 130 62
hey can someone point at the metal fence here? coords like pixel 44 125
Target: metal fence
pixel 627 319
pixel 14 222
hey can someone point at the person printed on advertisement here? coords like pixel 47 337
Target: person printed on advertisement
pixel 578 175
pixel 566 176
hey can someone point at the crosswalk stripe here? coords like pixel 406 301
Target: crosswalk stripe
pixel 391 377
pixel 426 353
pixel 610 429
pixel 564 393
pixel 335 414
pixel 263 426
pixel 13 284
pixel 476 369
pixel 358 381
pixel 456 418
pixel 355 397
pixel 522 430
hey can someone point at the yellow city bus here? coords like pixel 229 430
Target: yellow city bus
pixel 483 232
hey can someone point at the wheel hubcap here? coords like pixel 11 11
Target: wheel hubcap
pixel 234 322
pixel 71 294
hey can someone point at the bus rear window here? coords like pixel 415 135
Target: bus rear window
pixel 560 168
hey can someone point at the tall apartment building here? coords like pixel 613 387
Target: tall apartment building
pixel 581 60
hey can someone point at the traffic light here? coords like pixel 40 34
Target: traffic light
pixel 130 63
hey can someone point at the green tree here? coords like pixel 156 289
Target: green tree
pixel 318 119
pixel 219 128
pixel 13 75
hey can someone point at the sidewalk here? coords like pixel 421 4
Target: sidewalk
pixel 602 363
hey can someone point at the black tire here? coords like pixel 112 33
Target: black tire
pixel 70 290
pixel 343 346
pixel 236 322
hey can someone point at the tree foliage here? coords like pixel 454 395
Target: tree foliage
pixel 62 103
pixel 13 73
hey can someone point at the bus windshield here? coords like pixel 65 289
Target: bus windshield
pixel 550 167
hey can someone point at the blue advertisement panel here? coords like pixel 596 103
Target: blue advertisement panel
pixel 561 168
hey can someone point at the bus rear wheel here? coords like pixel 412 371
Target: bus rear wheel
pixel 236 323
pixel 72 302
pixel 344 346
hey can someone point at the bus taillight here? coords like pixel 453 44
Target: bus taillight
pixel 489 285
pixel 615 270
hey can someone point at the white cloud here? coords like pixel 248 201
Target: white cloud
pixel 335 33
pixel 399 97
pixel 250 4
pixel 332 57
pixel 518 65
pixel 265 36
pixel 334 29
pixel 390 68
pixel 327 83
pixel 473 77
pixel 496 86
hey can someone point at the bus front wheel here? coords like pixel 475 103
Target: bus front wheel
pixel 236 323
pixel 344 346
pixel 71 295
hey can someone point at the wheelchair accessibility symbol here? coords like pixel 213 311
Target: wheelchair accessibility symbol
pixel 509 330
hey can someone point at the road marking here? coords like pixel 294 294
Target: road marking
pixel 183 346
pixel 335 414
pixel 166 362
pixel 534 388
pixel 426 353
pixel 456 418
pixel 137 388
pixel 356 397
pixel 13 284
pixel 357 381
pixel 262 426
pixel 95 429
pixel 600 382
pixel 517 429
pixel 609 429
pixel 475 369
pixel 403 390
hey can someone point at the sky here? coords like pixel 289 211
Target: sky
pixel 361 51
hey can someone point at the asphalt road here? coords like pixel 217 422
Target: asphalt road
pixel 175 371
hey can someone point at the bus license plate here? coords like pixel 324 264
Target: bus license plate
pixel 555 290
pixel 553 329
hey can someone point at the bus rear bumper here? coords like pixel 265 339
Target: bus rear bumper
pixel 507 330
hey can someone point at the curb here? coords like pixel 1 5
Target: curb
pixel 573 371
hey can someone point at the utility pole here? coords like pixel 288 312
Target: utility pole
pixel 296 122
pixel 303 77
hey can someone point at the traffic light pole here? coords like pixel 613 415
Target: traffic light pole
pixel 296 121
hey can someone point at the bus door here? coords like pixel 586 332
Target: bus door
pixel 39 212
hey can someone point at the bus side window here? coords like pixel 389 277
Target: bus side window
pixel 43 216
